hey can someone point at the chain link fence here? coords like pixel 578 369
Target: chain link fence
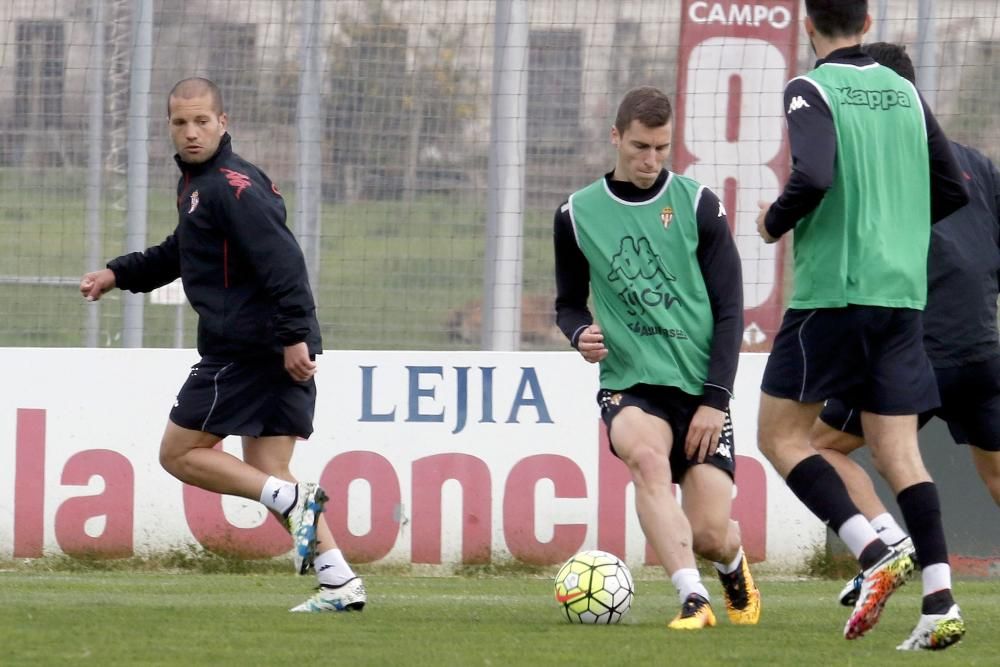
pixel 377 118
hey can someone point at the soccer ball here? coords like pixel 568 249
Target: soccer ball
pixel 594 587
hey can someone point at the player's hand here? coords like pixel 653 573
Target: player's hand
pixel 297 362
pixel 93 285
pixel 591 344
pixel 704 432
pixel 761 229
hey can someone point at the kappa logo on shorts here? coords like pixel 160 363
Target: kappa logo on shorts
pixel 607 399
pixel 240 182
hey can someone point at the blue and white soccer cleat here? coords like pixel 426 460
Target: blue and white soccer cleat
pixel 849 593
pixel 350 596
pixel 301 522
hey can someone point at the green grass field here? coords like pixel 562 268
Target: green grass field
pixel 186 618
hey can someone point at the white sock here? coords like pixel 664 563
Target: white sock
pixel 332 569
pixel 278 495
pixel 936 577
pixel 687 581
pixel 887 528
pixel 729 568
pixel 857 534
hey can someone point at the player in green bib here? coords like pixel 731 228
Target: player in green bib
pixel 653 251
pixel 871 171
pixel 961 286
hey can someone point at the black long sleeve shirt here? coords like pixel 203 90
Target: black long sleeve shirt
pixel 963 271
pixel 720 267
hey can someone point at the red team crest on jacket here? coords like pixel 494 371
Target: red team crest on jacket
pixel 240 182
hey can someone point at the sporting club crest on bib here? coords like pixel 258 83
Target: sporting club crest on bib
pixel 667 216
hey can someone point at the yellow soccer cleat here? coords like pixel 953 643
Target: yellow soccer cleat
pixel 696 613
pixel 742 595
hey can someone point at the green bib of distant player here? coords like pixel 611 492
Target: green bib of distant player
pixel 648 292
pixel 867 241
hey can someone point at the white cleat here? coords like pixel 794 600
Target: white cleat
pixel 349 596
pixel 935 631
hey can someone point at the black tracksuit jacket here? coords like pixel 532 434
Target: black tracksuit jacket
pixel 241 267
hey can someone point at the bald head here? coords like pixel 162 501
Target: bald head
pixel 196 119
pixel 191 88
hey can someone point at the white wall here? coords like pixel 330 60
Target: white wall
pixel 79 432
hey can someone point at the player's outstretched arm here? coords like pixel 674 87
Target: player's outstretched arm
pixel 93 285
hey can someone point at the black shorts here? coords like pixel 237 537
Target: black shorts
pixel 867 356
pixel 970 405
pixel 254 398
pixel 676 408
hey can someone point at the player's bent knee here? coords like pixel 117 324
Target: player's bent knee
pixel 769 447
pixel 825 439
pixel 170 461
pixel 648 465
pixel 710 543
pixel 174 451
pixel 901 472
pixel 767 443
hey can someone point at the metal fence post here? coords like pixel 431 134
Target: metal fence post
pixel 138 161
pixel 95 162
pixel 501 329
pixel 308 226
